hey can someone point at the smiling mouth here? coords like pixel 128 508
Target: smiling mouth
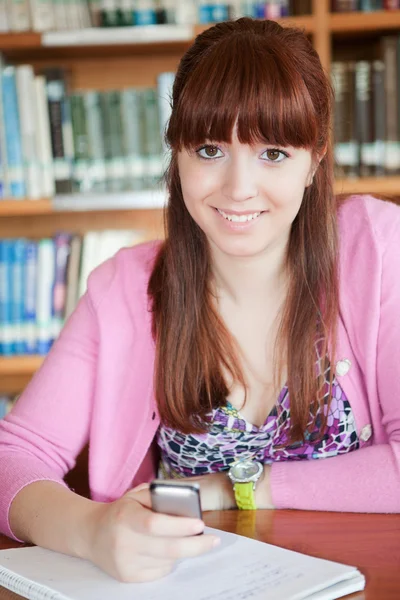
pixel 239 218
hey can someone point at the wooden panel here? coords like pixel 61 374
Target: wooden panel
pixel 13 384
pixel 359 22
pixel 79 222
pixel 322 41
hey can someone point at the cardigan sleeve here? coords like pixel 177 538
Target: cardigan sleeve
pixel 368 479
pixel 49 425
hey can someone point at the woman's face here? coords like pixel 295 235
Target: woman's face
pixel 243 197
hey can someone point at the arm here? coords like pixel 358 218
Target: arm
pixel 49 425
pixel 366 480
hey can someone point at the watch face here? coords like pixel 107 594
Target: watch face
pixel 246 470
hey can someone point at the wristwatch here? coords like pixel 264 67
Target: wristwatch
pixel 244 475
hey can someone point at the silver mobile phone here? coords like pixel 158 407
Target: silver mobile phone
pixel 178 498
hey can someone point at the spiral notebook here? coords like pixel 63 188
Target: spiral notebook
pixel 238 568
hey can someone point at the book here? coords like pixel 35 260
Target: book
pixel 11 118
pixel 25 78
pixel 260 571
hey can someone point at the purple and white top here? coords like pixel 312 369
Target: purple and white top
pixel 230 438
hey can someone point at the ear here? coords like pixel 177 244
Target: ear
pixel 314 168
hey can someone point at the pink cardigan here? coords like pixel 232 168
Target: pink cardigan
pixel 96 384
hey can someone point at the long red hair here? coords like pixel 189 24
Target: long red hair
pixel 270 80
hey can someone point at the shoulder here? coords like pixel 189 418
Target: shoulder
pixel 127 273
pixel 363 217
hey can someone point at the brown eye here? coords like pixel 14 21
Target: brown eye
pixel 211 151
pixel 273 154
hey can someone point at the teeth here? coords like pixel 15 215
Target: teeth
pixel 239 218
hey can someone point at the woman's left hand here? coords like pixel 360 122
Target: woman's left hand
pixel 216 491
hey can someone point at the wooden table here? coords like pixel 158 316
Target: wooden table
pixel 370 542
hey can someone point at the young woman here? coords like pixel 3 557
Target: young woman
pixel 263 330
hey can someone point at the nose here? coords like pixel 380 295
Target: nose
pixel 239 180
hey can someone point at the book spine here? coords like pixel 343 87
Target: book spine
pixel 19 15
pixel 12 134
pixel 31 268
pixel 133 137
pixel 95 13
pixel 109 13
pixel 28 122
pixel 96 153
pixel 43 138
pixel 126 16
pixel 81 180
pixel 145 12
pixel 4 190
pixel 60 14
pixel 165 82
pixel 117 172
pixel 17 295
pixel 379 118
pixel 42 15
pixel 6 329
pixel 370 5
pixel 61 131
pixel 153 143
pixel 44 298
pixel 392 155
pixel 338 77
pixel 62 243
pixel 73 275
pixel 391 4
pixel 345 5
pixel 365 118
pixel 4 17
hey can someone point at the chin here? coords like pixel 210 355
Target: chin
pixel 243 249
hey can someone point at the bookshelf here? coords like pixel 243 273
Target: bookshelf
pixel 104 62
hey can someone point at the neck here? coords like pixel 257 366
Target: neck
pixel 249 281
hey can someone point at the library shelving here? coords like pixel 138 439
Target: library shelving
pixel 100 61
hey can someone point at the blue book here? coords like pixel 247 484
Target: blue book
pixel 6 329
pixel 17 294
pixel 4 401
pixel 15 163
pixel 44 295
pixel 31 262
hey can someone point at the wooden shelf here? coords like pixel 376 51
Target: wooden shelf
pixel 19 365
pixel 20 208
pixel 369 185
pixel 358 22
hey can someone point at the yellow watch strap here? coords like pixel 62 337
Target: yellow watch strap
pixel 244 496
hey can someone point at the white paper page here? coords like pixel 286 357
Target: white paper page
pixel 239 568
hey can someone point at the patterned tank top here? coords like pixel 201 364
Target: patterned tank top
pixel 231 437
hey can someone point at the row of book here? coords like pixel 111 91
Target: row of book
pixel 55 142
pixel 50 15
pixel 41 282
pixel 367 113
pixel 364 5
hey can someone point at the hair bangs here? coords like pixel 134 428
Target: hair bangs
pixel 244 84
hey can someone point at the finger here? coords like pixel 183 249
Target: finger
pixel 177 548
pixel 147 522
